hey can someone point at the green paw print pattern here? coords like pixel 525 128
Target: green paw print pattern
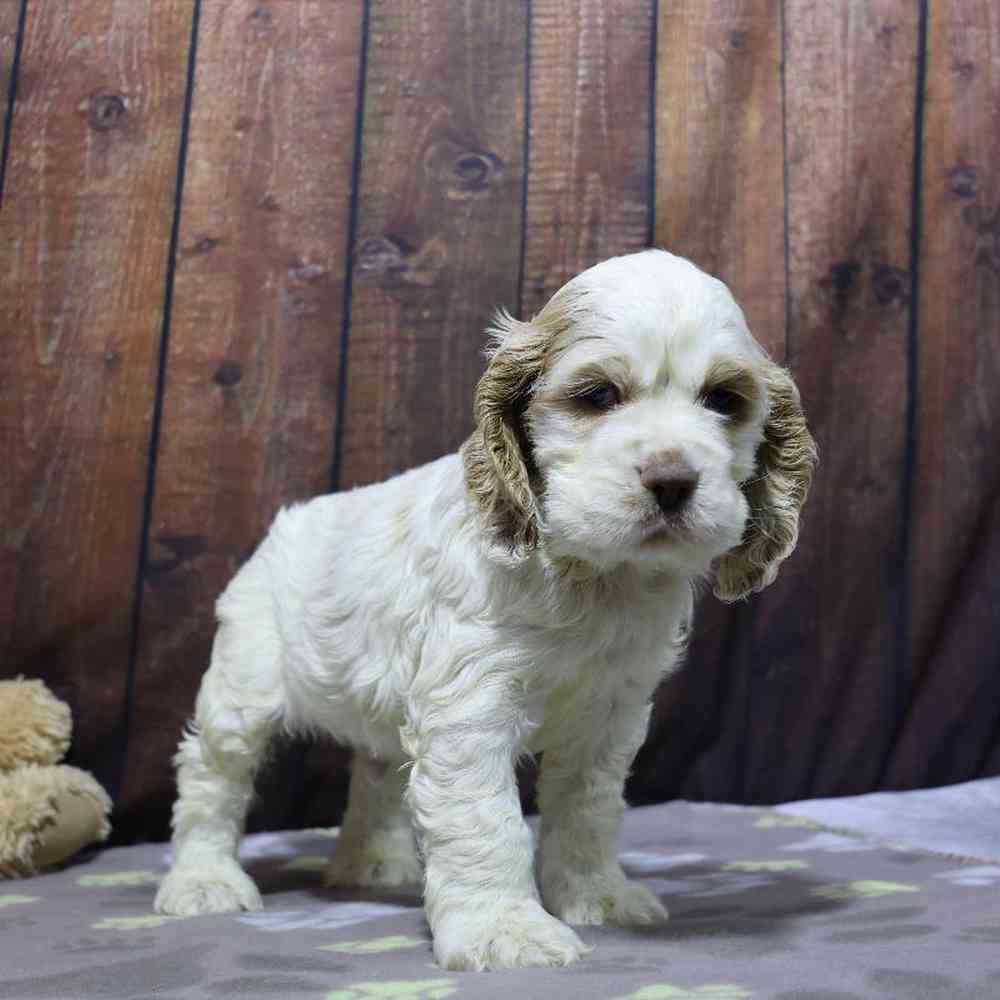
pixel 764 866
pixel 12 899
pixel 417 989
pixel 111 879
pixel 711 991
pixel 374 946
pixel 773 820
pixel 862 890
pixel 306 863
pixel 133 923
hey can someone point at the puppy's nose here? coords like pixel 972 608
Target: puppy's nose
pixel 671 479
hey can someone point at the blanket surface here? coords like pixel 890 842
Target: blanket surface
pixel 764 904
pixel 962 820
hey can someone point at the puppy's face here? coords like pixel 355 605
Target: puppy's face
pixel 645 419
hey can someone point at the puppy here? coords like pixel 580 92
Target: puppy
pixel 526 594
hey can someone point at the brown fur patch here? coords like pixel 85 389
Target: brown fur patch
pixel 496 470
pixel 785 463
pixel 734 378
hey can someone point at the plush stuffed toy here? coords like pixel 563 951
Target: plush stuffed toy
pixel 48 811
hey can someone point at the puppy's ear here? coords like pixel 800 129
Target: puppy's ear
pixel 776 492
pixel 496 456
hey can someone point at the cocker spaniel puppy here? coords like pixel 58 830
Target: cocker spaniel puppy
pixel 525 594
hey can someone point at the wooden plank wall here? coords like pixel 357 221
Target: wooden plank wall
pixel 247 251
pixel 11 28
pixel 952 717
pixel 85 239
pixel 252 370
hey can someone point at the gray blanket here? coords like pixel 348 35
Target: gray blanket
pixel 764 904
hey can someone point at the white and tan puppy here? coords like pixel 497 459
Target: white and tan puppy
pixel 525 594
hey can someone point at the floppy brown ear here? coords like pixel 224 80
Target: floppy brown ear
pixel 495 459
pixel 776 492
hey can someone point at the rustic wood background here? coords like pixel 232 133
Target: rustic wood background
pixel 247 252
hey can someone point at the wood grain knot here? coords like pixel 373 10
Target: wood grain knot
pixel 204 246
pixel 305 274
pixel 169 551
pixel 890 284
pixel 964 69
pixel 400 267
pixel 381 256
pixel 474 172
pixel 460 169
pixel 962 181
pixel 229 373
pixel 107 111
pixel 987 229
pixel 840 284
pixel 843 275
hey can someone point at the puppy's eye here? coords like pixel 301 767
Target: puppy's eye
pixel 601 397
pixel 723 401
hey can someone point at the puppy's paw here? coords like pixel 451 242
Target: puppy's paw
pixel 217 887
pixel 514 935
pixel 602 900
pixel 374 866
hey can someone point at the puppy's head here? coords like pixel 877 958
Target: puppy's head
pixel 635 420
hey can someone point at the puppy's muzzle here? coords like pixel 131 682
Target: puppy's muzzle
pixel 671 479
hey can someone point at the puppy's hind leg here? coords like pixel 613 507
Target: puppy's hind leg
pixel 238 710
pixel 376 847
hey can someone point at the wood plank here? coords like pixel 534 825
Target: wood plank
pixel 84 232
pixel 249 411
pixel 955 531
pixel 10 13
pixel 589 184
pixel 440 225
pixel 719 183
pixel 825 650
pixel 719 201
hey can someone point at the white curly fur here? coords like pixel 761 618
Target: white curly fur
pixel 489 605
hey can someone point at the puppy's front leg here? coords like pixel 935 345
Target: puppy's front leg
pixel 580 798
pixel 480 894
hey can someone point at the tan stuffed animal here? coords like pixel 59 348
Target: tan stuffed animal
pixel 48 811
